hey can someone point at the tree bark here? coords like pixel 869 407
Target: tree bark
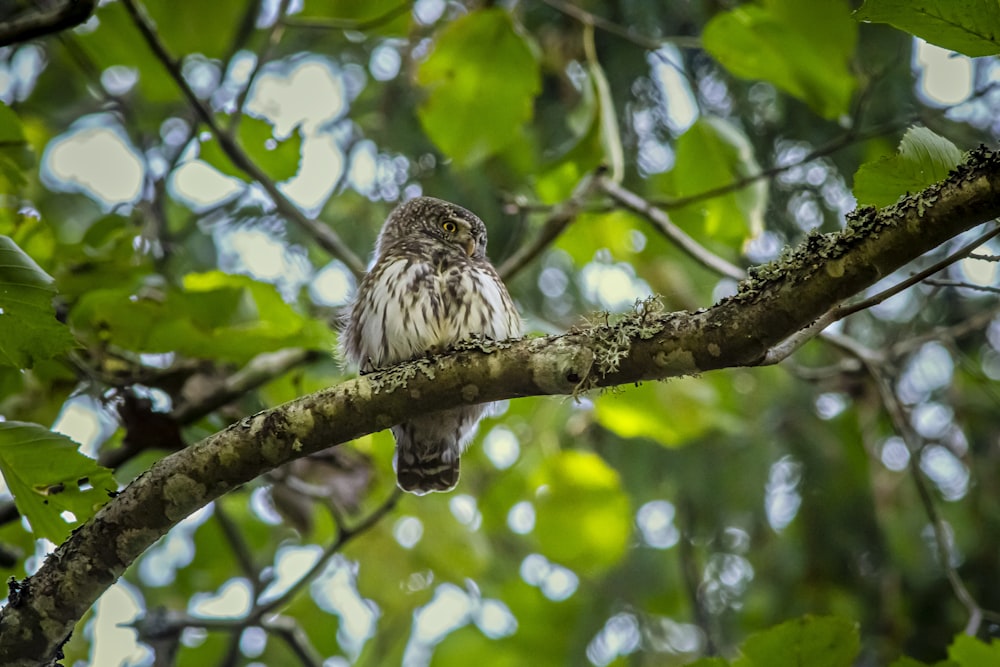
pixel 778 300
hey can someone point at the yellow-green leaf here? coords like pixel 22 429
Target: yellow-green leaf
pixel 923 158
pixel 803 47
pixel 481 80
pixel 278 158
pixel 972 28
pixel 48 476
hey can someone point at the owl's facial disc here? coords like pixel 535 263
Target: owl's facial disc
pixel 464 236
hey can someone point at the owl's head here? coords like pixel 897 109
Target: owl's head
pixel 427 218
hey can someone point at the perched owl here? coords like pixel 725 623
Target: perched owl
pixel 431 286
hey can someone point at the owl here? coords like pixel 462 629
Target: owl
pixel 430 286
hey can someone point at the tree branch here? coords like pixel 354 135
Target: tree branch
pixel 327 239
pixel 35 22
pixel 777 300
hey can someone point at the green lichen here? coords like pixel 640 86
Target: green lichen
pixel 397 376
pixel 612 337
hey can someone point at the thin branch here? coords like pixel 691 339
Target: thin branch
pixel 35 22
pixel 797 340
pixel 558 220
pixel 274 36
pixel 323 23
pixel 344 535
pixel 327 239
pixel 897 414
pixel 675 234
pixel 612 28
pixel 989 289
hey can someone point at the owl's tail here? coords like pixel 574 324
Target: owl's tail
pixel 425 475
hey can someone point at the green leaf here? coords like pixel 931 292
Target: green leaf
pixel 923 158
pixel 215 315
pixel 197 27
pixel 383 17
pixel 29 330
pixel 972 28
pixel 15 152
pixel 816 641
pixel 582 515
pixel 714 153
pixel 278 158
pixel 803 47
pixel 694 410
pixel 48 475
pixel 481 80
pixel 970 652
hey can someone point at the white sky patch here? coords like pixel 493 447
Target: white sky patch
pixel 202 187
pixel 781 495
pixel 945 76
pixel 656 522
pixel 98 161
pixel 978 271
pixel 262 255
pixel 80 419
pixel 321 166
pixel 363 170
pixel 112 643
pixel 521 518
pixel 290 563
pixel 614 287
pixel 159 565
pixel 336 592
pixel 332 285
pixel 463 507
pixel 679 102
pixel 232 601
pixel 310 93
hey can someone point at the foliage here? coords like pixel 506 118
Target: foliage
pixel 837 509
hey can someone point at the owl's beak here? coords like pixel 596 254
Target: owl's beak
pixel 470 247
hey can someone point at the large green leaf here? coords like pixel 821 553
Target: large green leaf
pixel 815 641
pixel 969 27
pixel 583 520
pixel 480 79
pixel 923 158
pixel 278 159
pixel 714 153
pixel 384 17
pixel 215 315
pixel 197 27
pixel 970 652
pixel 48 476
pixel 29 330
pixel 803 47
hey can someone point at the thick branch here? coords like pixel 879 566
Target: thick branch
pixel 35 22
pixel 778 300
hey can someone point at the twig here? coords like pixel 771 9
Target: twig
pixel 897 414
pixel 559 219
pixel 797 340
pixel 37 22
pixel 344 535
pixel 318 23
pixel 675 234
pixel 612 28
pixel 989 289
pixel 328 239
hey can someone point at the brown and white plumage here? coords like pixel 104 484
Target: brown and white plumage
pixel 431 286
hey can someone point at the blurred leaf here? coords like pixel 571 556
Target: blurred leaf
pixel 48 475
pixel 197 27
pixel 803 47
pixel 972 28
pixel 671 413
pixel 468 645
pixel 481 80
pixel 382 17
pixel 816 641
pixel 16 155
pixel 117 42
pixel 278 158
pixel 215 315
pixel 923 158
pixel 714 153
pixel 968 651
pixel 29 330
pixel 583 519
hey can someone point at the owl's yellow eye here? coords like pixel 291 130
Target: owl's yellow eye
pixel 449 226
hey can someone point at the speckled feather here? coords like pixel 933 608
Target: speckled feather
pixel 429 288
